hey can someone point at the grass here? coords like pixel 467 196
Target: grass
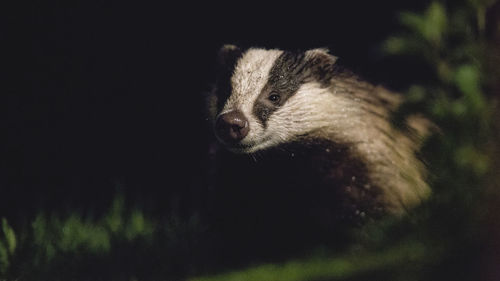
pixel 346 267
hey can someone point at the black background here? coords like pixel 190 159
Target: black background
pixel 96 97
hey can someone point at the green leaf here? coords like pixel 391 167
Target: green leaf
pixel 435 23
pixel 4 258
pixel 10 236
pixel 413 21
pixel 114 218
pixel 138 226
pixel 472 159
pixel 416 94
pixel 467 79
pixel 458 108
pixel 7 245
pixel 430 26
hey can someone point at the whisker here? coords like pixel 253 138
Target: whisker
pixel 253 157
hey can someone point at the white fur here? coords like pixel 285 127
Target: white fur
pixel 249 77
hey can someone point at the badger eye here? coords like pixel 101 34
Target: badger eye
pixel 274 97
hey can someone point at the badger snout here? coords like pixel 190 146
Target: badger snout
pixel 231 127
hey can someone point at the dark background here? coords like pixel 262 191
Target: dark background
pixel 100 97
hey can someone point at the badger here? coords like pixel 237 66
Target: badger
pixel 305 139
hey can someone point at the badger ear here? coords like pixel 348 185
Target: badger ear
pixel 321 63
pixel 321 55
pixel 228 56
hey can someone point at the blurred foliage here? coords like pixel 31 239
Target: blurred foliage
pixel 7 245
pixel 122 244
pixel 451 41
pixel 443 239
pixel 53 235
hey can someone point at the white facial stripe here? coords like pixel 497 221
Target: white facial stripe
pixel 303 112
pixel 250 76
pixel 312 108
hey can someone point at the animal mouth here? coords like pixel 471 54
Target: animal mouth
pixel 240 148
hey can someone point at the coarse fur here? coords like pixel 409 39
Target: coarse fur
pixel 331 126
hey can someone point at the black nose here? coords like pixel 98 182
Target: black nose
pixel 232 126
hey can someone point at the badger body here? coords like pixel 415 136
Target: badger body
pixel 304 133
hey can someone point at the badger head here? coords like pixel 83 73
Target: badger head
pixel 264 98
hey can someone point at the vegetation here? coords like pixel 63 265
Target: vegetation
pixel 450 237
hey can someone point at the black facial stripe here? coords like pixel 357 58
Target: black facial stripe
pixel 288 73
